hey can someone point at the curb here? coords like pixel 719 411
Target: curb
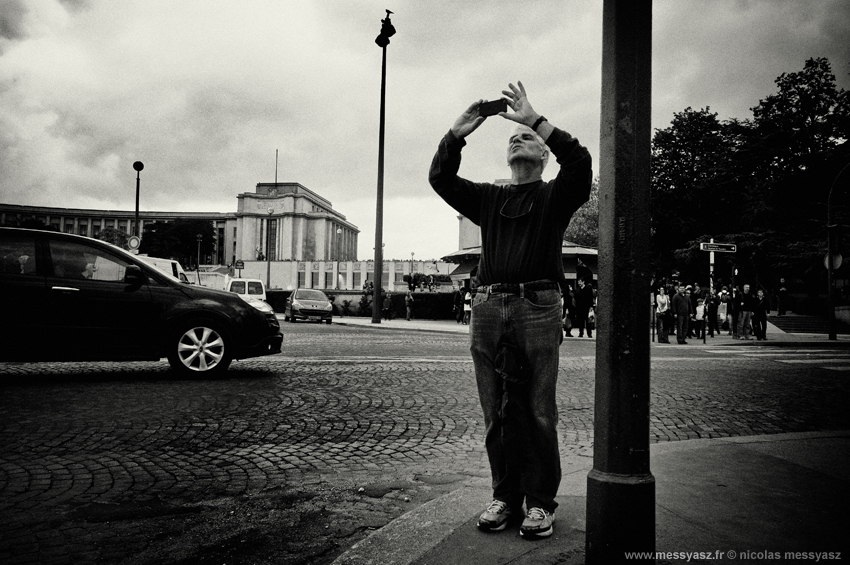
pixel 412 535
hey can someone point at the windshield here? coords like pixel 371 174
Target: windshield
pixel 310 295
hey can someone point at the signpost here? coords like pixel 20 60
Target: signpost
pixel 240 264
pixel 719 247
pixel 713 248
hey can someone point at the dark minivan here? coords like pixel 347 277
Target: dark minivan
pixel 71 298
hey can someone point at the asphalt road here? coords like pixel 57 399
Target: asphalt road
pixel 293 458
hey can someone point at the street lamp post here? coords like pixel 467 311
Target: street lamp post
pixel 620 488
pixel 200 238
pixel 831 258
pixel 269 244
pixel 383 39
pixel 138 166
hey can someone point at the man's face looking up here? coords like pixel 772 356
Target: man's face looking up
pixel 526 145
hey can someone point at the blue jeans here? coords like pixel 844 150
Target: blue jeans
pixel 514 344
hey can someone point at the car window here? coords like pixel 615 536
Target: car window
pixel 255 287
pixel 17 254
pixel 311 295
pixel 238 287
pixel 72 260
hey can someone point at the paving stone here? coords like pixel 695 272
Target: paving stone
pixel 262 460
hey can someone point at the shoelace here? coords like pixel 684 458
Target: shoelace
pixel 497 507
pixel 536 514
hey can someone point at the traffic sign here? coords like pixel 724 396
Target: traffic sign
pixel 240 264
pixel 133 242
pixel 721 247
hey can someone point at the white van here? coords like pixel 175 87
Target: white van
pixel 247 288
pixel 168 266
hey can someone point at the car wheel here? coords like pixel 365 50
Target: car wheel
pixel 200 348
pixel 292 320
pixel 328 321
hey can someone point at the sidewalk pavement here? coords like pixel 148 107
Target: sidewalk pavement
pixel 775 336
pixel 751 499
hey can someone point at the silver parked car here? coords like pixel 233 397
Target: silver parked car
pixel 308 304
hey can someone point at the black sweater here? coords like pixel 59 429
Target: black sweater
pixel 522 226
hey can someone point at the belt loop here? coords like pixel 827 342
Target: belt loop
pixel 521 290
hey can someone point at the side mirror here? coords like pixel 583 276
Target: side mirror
pixel 134 276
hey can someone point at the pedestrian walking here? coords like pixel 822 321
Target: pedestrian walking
pixel 662 311
pixel 408 304
pixel 460 294
pixel 516 327
pixel 680 305
pixel 761 307
pixel 782 298
pixel 734 298
pixel 745 310
pixel 584 306
pixel 387 307
pixel 569 311
pixel 713 303
pixel 699 319
pixel 723 309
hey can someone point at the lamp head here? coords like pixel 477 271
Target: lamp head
pixel 138 166
pixel 387 31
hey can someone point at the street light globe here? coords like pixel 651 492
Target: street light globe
pixel 138 166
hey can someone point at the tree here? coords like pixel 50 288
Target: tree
pixel 114 236
pixel 691 186
pixel 760 183
pixel 179 240
pixel 34 224
pixel 584 225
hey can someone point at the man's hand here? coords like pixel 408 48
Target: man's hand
pixel 518 101
pixel 469 121
pixel 523 113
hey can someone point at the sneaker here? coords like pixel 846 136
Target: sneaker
pixel 495 518
pixel 537 524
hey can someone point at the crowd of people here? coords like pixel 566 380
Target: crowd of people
pixel 688 311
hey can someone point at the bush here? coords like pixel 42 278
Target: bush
pixel 277 299
pixel 365 305
pixel 432 305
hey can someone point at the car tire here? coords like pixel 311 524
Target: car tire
pixel 292 320
pixel 328 321
pixel 200 348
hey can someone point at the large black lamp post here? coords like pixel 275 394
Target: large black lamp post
pixel 833 259
pixel 383 39
pixel 138 166
pixel 621 488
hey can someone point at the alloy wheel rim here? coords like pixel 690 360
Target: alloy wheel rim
pixel 200 349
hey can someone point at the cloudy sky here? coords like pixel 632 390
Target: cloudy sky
pixel 205 91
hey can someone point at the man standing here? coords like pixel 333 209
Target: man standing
pixel 680 305
pixel 516 323
pixel 584 302
pixel 761 307
pixel 745 312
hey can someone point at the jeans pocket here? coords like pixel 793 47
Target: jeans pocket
pixel 543 298
pixel 479 298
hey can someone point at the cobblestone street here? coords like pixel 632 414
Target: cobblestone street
pixel 294 458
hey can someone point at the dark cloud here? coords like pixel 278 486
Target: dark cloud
pixel 12 16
